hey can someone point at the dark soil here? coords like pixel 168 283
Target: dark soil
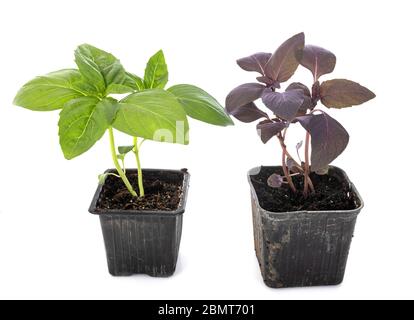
pixel 332 192
pixel 163 192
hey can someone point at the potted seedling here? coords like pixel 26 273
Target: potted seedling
pixel 140 210
pixel 305 210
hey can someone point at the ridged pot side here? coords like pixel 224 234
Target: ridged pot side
pixel 142 242
pixel 303 248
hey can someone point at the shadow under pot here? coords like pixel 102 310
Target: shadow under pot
pixel 305 246
pixel 142 236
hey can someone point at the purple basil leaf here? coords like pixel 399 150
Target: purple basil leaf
pixel 341 93
pixel 243 95
pixel 318 60
pixel 290 163
pixel 298 146
pixel 299 86
pixel 275 181
pixel 316 88
pixel 239 102
pixel 284 104
pixel 307 101
pixel 255 62
pixel 329 139
pixel 265 80
pixel 268 129
pixel 248 113
pixel 284 62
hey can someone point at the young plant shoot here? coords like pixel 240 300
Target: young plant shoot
pixel 325 138
pixel 147 111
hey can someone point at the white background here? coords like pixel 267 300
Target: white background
pixel 51 247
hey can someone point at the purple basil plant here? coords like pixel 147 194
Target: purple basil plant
pixel 325 137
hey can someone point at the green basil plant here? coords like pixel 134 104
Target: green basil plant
pixel 147 110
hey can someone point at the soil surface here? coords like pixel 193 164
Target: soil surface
pixel 332 192
pixel 163 192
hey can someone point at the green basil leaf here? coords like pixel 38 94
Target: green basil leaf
pixel 83 122
pixel 199 105
pixel 89 68
pixel 134 82
pixel 123 150
pixel 109 106
pixel 131 83
pixel 102 178
pixel 153 114
pixel 52 91
pixel 156 72
pixel 115 88
pixel 100 68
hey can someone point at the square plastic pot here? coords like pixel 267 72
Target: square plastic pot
pixel 303 248
pixel 142 242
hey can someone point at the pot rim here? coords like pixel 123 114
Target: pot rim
pixel 161 213
pixel 352 212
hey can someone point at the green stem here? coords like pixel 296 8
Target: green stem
pixel 116 163
pixel 139 169
pixel 123 165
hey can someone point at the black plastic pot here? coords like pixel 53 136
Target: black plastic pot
pixel 142 242
pixel 303 248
